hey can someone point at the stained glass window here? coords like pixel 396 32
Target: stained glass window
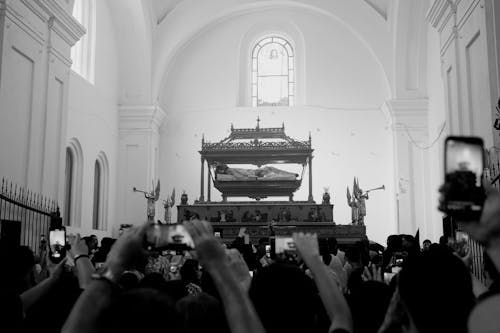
pixel 273 73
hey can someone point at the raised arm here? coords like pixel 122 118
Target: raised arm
pixel 331 296
pixel 240 313
pixel 84 268
pixel 42 289
pixel 99 293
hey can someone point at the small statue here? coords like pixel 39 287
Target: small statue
pixel 168 204
pixel 151 197
pixel 184 198
pixel 326 196
pixel 358 202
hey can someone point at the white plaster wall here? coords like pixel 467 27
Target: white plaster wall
pixel 347 143
pixel 339 69
pixel 344 88
pixel 93 119
pixel 437 117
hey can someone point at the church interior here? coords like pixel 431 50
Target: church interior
pixel 261 120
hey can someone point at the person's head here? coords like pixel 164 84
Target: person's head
pixel 426 244
pixel 201 313
pixel 190 272
pixel 94 242
pixel 410 244
pixel 285 299
pixel 369 305
pixel 353 256
pixel 333 245
pixel 436 290
pixel 141 310
pixel 443 240
pixel 129 280
pixel 107 243
pixel 393 243
pixel 18 262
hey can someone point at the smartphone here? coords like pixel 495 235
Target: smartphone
pixel 268 251
pixel 464 165
pixel 284 245
pixel 461 237
pixel 57 245
pixel 168 237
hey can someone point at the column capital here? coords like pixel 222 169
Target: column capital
pixel 144 118
pixel 408 114
pixel 64 22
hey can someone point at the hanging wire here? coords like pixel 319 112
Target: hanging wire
pixel 441 131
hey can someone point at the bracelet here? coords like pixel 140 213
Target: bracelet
pixel 80 256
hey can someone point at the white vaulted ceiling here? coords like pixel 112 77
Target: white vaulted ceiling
pixel 381 6
pixel 161 8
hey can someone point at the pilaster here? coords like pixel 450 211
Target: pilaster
pixel 139 128
pixel 410 126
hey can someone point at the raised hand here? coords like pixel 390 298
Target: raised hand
pixel 127 250
pixel 373 273
pixel 78 245
pixel 238 265
pixel 307 246
pixel 209 250
pixel 55 270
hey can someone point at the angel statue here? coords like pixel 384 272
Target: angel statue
pixel 353 203
pixel 357 202
pixel 151 197
pixel 168 204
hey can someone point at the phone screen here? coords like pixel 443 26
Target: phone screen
pixel 284 244
pixel 57 243
pixel 268 251
pixel 464 170
pixel 168 236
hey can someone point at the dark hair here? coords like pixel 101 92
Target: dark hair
pixel 294 302
pixel 427 241
pixel 436 288
pixel 141 310
pixel 20 261
pixel 153 281
pixel 189 272
pixel 129 280
pixel 202 313
pixel 333 245
pixel 368 305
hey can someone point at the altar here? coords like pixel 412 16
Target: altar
pixel 263 148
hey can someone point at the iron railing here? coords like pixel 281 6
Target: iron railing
pixel 492 175
pixel 27 214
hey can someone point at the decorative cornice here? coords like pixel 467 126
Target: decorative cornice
pixel 67 26
pixel 437 11
pixel 140 117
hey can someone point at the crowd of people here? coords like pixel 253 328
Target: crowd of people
pixel 120 286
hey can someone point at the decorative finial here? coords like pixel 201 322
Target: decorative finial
pixel 283 125
pixel 258 122
pixel 232 127
pixel 309 136
pixel 202 138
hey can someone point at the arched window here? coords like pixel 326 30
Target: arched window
pixel 83 52
pixel 273 72
pixel 73 183
pixel 99 214
pixel 68 187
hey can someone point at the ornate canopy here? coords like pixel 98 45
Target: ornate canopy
pixel 257 146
